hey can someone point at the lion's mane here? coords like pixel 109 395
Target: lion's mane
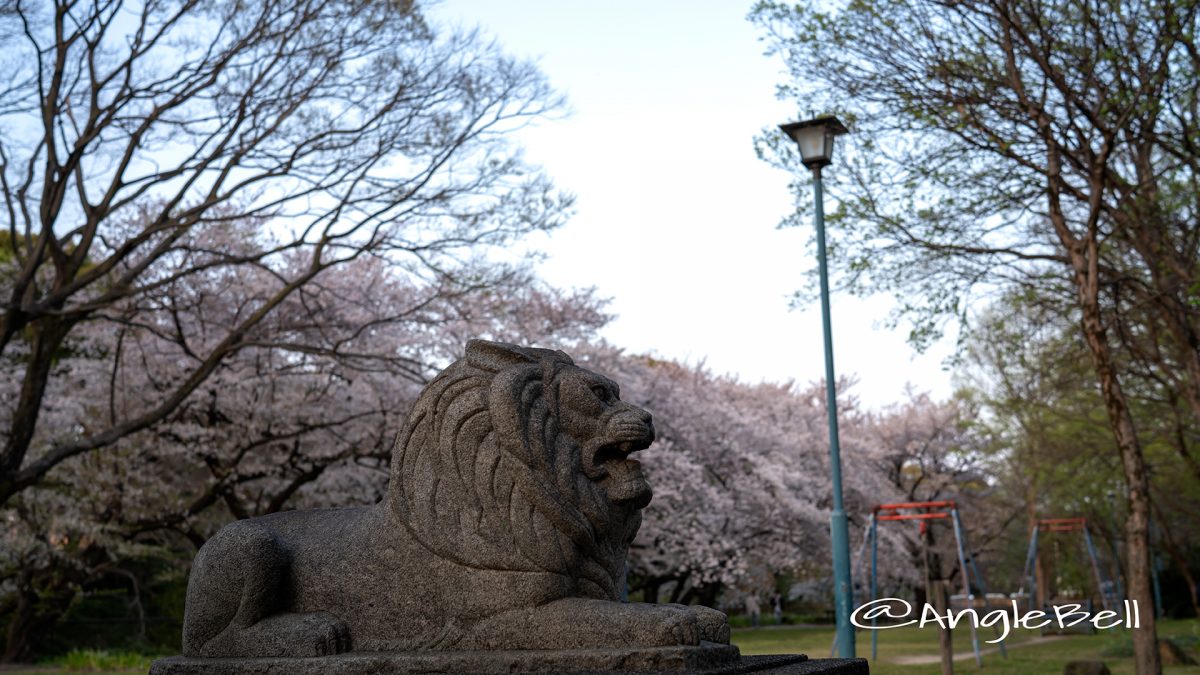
pixel 481 475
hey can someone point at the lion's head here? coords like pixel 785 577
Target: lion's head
pixel 514 458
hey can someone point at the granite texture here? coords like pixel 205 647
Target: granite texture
pixel 509 514
pixel 707 658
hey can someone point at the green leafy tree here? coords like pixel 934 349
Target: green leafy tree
pixel 1046 146
pixel 1051 452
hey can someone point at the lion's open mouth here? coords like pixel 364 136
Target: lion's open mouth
pixel 610 466
pixel 613 458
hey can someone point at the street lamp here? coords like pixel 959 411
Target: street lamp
pixel 815 138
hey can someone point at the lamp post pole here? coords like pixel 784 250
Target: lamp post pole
pixel 815 139
pixel 838 527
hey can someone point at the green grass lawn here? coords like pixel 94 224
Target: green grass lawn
pixel 86 661
pixel 1024 657
pixel 1111 646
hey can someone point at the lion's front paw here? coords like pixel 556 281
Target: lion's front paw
pixel 292 634
pixel 667 625
pixel 714 625
pixel 327 634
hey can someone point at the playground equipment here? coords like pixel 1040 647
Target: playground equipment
pixel 926 512
pixel 1110 593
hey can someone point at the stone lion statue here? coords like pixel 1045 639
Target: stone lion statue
pixel 511 506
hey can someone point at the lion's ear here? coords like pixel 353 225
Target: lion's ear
pixel 496 356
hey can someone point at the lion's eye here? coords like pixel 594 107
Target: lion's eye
pixel 600 391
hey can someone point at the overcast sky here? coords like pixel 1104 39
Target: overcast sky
pixel 676 217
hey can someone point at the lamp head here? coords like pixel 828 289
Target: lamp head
pixel 815 138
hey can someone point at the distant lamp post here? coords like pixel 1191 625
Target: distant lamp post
pixel 815 138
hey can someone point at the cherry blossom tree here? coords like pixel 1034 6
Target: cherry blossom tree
pixel 929 450
pixel 740 473
pixel 227 234
pixel 136 137
pixel 303 415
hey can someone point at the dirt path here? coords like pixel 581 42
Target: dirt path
pixel 924 659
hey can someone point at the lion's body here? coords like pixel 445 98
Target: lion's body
pixel 511 507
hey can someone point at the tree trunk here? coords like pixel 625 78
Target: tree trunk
pixel 1083 251
pixel 46 341
pixel 1137 527
pixel 945 637
pixel 708 597
pixel 33 614
pixel 936 591
pixel 681 586
pixel 650 590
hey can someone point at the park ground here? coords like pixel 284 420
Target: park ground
pixel 902 651
pixel 914 651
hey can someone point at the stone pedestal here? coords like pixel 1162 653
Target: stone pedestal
pixel 707 659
